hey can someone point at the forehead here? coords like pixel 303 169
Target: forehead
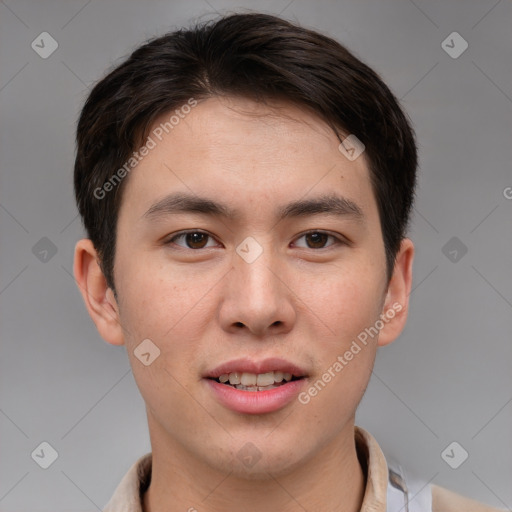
pixel 246 153
pixel 225 128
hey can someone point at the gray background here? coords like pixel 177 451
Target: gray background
pixel 448 378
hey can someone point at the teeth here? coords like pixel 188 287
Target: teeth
pixel 265 379
pixel 251 379
pixel 255 388
pixel 234 378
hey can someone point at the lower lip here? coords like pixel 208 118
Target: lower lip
pixel 256 402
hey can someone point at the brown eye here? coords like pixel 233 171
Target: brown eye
pixel 196 240
pixel 192 240
pixel 316 240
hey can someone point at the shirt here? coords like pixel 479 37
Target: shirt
pixel 388 488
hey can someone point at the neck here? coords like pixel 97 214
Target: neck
pixel 331 480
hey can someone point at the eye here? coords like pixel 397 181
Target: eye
pixel 191 240
pixel 317 240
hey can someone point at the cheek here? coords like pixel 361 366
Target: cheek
pixel 159 300
pixel 345 355
pixel 348 301
pixel 172 309
pixel 348 308
pixel 163 306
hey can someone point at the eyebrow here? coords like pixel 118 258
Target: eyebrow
pixel 187 203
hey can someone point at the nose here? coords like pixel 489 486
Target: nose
pixel 257 298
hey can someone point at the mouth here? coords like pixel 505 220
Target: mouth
pixel 251 387
pixel 246 381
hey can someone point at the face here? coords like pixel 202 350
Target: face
pixel 249 244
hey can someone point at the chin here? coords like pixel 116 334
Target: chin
pixel 250 463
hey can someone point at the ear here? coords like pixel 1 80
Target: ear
pixel 396 303
pixel 98 297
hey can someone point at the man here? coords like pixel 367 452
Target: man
pixel 246 187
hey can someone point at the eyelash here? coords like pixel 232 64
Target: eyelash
pixel 182 234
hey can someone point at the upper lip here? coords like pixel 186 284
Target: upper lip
pixel 245 365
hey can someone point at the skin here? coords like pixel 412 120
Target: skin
pixel 300 300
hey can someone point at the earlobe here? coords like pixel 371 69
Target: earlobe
pixel 98 297
pixel 396 304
